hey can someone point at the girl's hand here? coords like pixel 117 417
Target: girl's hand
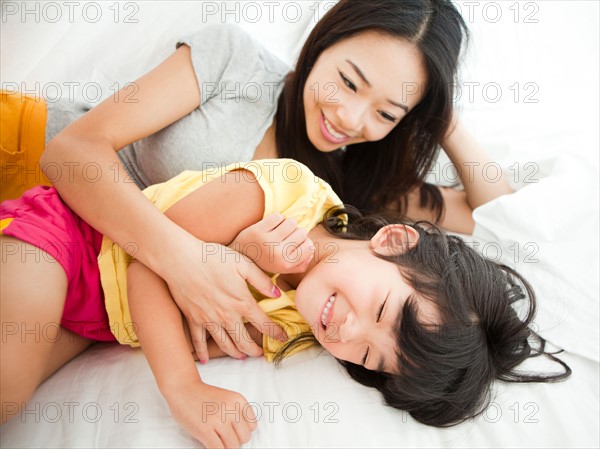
pixel 213 295
pixel 276 245
pixel 218 418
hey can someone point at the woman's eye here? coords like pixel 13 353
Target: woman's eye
pixel 388 117
pixel 347 82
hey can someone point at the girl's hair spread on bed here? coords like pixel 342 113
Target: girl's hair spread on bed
pixel 400 161
pixel 447 369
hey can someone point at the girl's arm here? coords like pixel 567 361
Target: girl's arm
pixel 215 212
pixel 196 405
pixel 116 207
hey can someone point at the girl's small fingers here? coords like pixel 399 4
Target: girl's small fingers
pixel 306 250
pixel 296 238
pixel 228 435
pixel 300 257
pixel 285 229
pixel 270 222
pixel 242 431
pixel 249 417
pixel 212 441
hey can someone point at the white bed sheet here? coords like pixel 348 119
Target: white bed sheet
pixel 309 402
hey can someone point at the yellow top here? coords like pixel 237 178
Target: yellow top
pixel 290 189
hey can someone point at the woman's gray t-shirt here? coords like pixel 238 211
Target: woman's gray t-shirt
pixel 240 82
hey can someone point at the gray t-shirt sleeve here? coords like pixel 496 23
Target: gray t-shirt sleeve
pixel 240 82
pixel 229 63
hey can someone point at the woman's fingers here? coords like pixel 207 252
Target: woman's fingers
pixel 220 307
pixel 199 340
pixel 258 279
pixel 235 340
pixel 265 325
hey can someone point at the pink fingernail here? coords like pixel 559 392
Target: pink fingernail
pixel 202 362
pixel 244 357
pixel 276 292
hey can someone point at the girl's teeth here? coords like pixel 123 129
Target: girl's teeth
pixel 326 309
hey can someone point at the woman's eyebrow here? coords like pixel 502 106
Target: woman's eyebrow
pixel 366 81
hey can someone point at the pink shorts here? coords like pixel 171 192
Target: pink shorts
pixel 40 218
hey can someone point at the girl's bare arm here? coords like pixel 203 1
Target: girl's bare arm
pixel 215 212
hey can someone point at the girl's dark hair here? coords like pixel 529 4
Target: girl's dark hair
pixel 377 175
pixel 447 369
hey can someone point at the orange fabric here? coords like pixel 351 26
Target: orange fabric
pixel 22 141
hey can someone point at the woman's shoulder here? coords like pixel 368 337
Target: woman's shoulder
pixel 231 43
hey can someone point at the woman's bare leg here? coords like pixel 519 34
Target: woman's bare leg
pixel 34 345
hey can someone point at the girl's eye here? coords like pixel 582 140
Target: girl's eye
pixel 364 359
pixel 380 310
pixel 388 117
pixel 347 82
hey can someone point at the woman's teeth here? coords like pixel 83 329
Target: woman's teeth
pixel 325 313
pixel 332 131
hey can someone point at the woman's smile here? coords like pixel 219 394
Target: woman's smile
pixel 330 132
pixel 347 95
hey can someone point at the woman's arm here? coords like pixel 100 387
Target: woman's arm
pixel 470 160
pixel 118 209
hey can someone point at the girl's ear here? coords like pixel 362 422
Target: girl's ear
pixel 394 239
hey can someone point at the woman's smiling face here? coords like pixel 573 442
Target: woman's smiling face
pixel 360 88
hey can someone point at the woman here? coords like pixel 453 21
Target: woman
pixel 340 95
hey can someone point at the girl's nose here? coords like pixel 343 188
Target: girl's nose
pixel 348 330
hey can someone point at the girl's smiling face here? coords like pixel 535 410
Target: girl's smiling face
pixel 351 298
pixel 360 88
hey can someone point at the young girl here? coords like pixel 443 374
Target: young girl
pixel 371 93
pixel 407 310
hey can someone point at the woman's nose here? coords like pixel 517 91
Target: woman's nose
pixel 351 118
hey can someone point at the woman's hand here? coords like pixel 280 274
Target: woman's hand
pixel 276 245
pixel 218 418
pixel 209 284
